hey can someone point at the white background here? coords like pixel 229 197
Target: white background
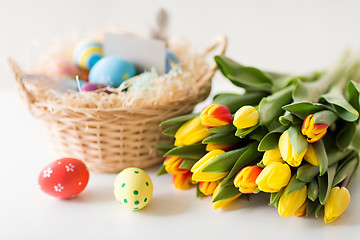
pixel 289 36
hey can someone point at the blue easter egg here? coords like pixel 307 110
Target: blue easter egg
pixel 111 71
pixel 87 53
pixel 171 60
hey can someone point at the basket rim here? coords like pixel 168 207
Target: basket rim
pixel 220 43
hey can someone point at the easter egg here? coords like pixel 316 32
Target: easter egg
pixel 111 71
pixel 133 188
pixel 141 81
pixel 87 53
pixel 64 178
pixel 171 61
pixel 92 86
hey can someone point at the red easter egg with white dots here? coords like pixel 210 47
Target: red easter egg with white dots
pixel 64 178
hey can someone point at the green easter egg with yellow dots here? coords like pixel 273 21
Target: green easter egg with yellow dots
pixel 133 188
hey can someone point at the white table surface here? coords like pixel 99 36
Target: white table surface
pixel 27 213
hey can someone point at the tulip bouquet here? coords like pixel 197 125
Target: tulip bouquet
pixel 295 138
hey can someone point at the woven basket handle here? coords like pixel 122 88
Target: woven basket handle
pixel 18 74
pixel 219 44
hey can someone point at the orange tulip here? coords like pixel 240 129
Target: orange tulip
pixel 216 115
pixel 182 181
pixel 172 165
pixel 245 179
pixel 313 131
pixel 208 188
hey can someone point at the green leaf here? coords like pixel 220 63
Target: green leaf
pixel 325 117
pixel 180 119
pixel 313 190
pixel 241 76
pixel 171 131
pixel 310 205
pixel 236 101
pixel 275 197
pixel 294 185
pixel 222 129
pixel 241 133
pixel 270 141
pixel 161 170
pixel 289 119
pixel 302 109
pixel 164 147
pixel 222 138
pixel 335 156
pixel 307 172
pixel 345 171
pixel 195 151
pixel 320 152
pixel 340 105
pixel 270 107
pixel 354 95
pixel 325 184
pixel 319 210
pixel 249 155
pixel 355 143
pixel 297 140
pixel 187 163
pixel 226 192
pixel 224 162
pixel 345 135
pixel 198 192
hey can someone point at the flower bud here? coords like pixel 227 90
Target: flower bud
pixel 245 179
pixel 287 151
pixel 313 131
pixel 245 117
pixel 216 115
pixel 274 177
pixel 207 188
pixel 336 204
pixel 272 155
pixel 301 211
pixel 290 203
pixel 182 181
pixel 225 202
pixel 203 162
pixel 311 157
pixel 172 165
pixel 191 132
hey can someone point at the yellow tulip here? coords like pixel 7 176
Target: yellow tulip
pixel 274 177
pixel 336 204
pixel 191 132
pixel 245 117
pixel 288 153
pixel 172 165
pixel 212 146
pixel 292 202
pixel 203 162
pixel 272 155
pixel 225 202
pixel 208 188
pixel 310 156
pixel 301 211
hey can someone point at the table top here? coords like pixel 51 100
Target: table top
pixel 26 212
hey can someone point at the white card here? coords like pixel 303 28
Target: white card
pixel 144 53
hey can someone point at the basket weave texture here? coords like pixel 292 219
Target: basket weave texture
pixel 109 140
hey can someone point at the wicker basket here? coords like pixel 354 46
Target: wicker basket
pixel 110 140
